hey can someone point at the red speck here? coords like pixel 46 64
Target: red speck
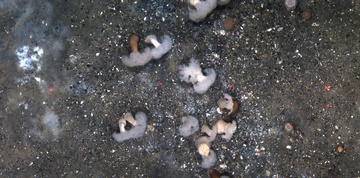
pixel 326 87
pixel 160 84
pixel 328 105
pixel 52 108
pixel 51 89
pixel 231 86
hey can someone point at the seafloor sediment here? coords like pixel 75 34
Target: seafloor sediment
pixel 58 111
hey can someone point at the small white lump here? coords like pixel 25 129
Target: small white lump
pixel 227 105
pixel 198 10
pixel 290 4
pixel 160 48
pixel 220 127
pixel 208 156
pixel 137 59
pixel 190 126
pixel 139 127
pixel 192 73
pixel 227 130
pixel 209 160
pixel 210 132
pixel 205 81
pixel 203 144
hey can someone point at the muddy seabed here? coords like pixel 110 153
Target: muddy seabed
pixel 58 112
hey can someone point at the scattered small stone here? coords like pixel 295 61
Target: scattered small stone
pixel 306 15
pixel 340 148
pixel 229 23
pixel 288 127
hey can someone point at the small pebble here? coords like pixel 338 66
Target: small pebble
pixel 340 148
pixel 288 127
pixel 306 15
pixel 229 23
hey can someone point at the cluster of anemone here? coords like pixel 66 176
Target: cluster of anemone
pixel 137 124
pixel 225 128
pixel 201 80
pixel 137 58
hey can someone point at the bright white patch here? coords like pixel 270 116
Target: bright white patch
pixel 26 106
pixel 29 58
